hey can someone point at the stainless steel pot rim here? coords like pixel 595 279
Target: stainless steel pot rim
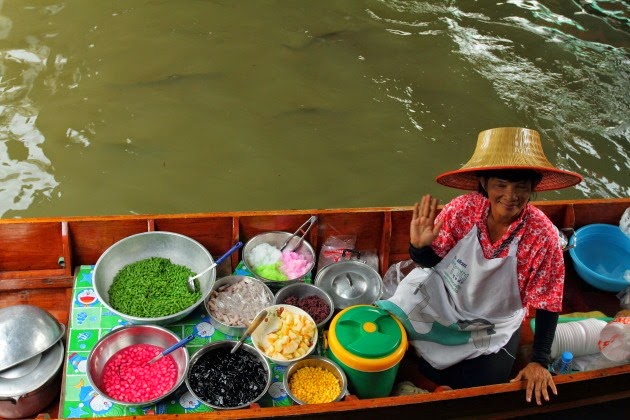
pixel 25 332
pixel 47 367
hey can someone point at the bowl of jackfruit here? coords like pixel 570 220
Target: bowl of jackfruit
pixel 287 334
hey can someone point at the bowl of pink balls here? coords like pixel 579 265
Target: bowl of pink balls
pixel 120 367
pixel 267 260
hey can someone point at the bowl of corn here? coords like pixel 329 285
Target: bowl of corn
pixel 287 334
pixel 315 380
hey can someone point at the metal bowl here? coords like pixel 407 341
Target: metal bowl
pixel 126 336
pixel 302 290
pixel 316 362
pixel 268 325
pixel 350 283
pixel 277 239
pixel 26 331
pixel 180 249
pixel 236 301
pixel 229 344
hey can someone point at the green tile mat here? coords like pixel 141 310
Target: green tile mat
pixel 90 320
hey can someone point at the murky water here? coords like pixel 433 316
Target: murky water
pixel 117 107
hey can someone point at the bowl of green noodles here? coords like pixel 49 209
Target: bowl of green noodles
pixel 143 278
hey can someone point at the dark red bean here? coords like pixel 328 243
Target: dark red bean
pixel 313 305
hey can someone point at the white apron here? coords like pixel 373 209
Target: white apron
pixel 464 307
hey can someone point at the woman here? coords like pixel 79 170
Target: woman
pixel 489 258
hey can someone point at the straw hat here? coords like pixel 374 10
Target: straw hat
pixel 509 148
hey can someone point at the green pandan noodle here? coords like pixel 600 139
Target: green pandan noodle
pixel 271 272
pixel 152 288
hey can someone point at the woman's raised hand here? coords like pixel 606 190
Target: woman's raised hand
pixel 423 229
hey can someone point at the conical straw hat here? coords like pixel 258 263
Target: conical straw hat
pixel 509 148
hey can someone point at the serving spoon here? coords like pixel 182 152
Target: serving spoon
pixel 255 323
pixel 191 280
pixel 174 347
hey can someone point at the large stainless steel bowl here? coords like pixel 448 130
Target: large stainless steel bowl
pixel 26 331
pixel 180 249
pixel 277 239
pixel 126 336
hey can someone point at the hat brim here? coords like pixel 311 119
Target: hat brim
pixel 552 179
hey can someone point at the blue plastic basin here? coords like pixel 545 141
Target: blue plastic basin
pixel 601 256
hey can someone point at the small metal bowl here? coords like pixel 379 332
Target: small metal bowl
pixel 126 336
pixel 180 249
pixel 302 290
pixel 26 331
pixel 228 345
pixel 277 239
pixel 232 330
pixel 320 362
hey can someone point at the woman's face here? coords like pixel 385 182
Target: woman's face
pixel 507 198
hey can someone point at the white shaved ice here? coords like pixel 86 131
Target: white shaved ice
pixel 263 254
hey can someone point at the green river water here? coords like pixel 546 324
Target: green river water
pixel 173 106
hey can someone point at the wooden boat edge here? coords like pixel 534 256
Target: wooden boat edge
pixel 565 213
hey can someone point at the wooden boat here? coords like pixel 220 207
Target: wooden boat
pixel 38 258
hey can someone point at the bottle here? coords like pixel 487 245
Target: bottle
pixel 562 364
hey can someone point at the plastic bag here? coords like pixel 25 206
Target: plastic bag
pixel 333 248
pixel 338 248
pixel 624 223
pixel 624 297
pixel 394 275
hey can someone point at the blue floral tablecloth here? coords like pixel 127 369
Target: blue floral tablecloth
pixel 90 320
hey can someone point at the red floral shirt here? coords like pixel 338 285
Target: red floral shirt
pixel 540 263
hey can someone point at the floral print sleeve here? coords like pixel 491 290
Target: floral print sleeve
pixel 540 264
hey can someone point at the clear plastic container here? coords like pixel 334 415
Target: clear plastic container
pixel 563 364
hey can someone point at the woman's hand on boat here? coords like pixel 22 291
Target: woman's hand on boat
pixel 538 381
pixel 423 229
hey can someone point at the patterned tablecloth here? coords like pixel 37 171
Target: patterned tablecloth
pixel 90 320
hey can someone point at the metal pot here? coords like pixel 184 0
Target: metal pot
pixel 30 387
pixel 350 283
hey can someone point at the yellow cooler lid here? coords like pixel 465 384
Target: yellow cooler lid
pixel 367 338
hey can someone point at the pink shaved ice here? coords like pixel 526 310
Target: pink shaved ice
pixel 293 265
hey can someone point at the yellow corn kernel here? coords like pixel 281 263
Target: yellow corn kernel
pixel 314 385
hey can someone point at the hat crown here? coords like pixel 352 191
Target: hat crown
pixel 508 146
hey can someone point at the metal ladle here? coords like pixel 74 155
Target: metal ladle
pixel 191 280
pixel 310 222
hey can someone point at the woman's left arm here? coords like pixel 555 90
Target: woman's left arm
pixel 539 380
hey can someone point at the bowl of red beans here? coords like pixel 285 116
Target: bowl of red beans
pixel 310 298
pixel 118 368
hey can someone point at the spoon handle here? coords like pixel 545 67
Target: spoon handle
pixel 255 323
pixel 218 261
pixel 174 347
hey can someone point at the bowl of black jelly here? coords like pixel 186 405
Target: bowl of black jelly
pixel 224 380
